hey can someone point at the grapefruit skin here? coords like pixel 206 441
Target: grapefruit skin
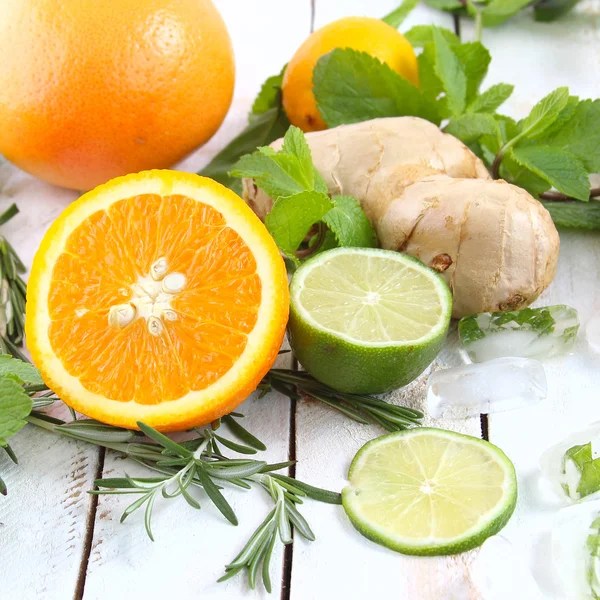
pixel 93 90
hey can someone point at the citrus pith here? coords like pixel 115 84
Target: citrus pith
pixel 157 297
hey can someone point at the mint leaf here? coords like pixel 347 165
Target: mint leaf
pixel 519 175
pixel 15 406
pixel 475 60
pixel 590 478
pixel 470 127
pixel 450 72
pixel 20 371
pixel 444 4
pixel 559 168
pixel 421 35
pixel 292 218
pixel 579 133
pixel 268 97
pixel 352 86
pixel 264 129
pixel 284 173
pixel 498 11
pixel 575 215
pixel 397 16
pixel 579 455
pixel 544 113
pixel 550 10
pixel 490 100
pixel 349 224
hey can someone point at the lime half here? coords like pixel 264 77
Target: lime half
pixel 364 320
pixel 430 491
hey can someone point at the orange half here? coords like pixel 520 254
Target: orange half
pixel 157 297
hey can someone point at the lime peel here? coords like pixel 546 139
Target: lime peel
pixel 430 491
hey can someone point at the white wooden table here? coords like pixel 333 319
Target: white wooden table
pixel 58 542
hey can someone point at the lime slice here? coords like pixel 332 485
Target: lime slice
pixel 430 491
pixel 364 320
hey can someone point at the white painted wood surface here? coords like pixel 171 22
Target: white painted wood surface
pixel 43 522
pixel 537 58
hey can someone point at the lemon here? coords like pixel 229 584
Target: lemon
pixel 367 321
pixel 365 34
pixel 430 491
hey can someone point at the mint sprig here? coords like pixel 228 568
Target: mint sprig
pixel 556 146
pixel 301 200
pixel 267 122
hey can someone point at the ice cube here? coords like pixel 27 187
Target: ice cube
pixel 592 332
pixel 530 333
pixel 574 550
pixel 560 473
pixel 494 386
pixel 499 572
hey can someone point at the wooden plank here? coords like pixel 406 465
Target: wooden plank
pixel 44 518
pixel 193 547
pixel 537 58
pixel 341 563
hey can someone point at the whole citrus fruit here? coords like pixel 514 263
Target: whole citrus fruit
pixel 92 90
pixel 157 297
pixel 365 34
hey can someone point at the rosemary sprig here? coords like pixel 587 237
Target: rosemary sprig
pixel 200 463
pixel 12 294
pixel 361 408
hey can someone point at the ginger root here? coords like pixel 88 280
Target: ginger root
pixel 428 195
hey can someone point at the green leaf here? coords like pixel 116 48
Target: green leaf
pixel 164 441
pixel 421 35
pixel 15 406
pixel 397 16
pixel 269 96
pixel 544 113
pixel 352 86
pixel 579 132
pixel 451 73
pixel 490 100
pixel 550 10
pixel 284 173
pixel 559 168
pixel 575 215
pixel 264 129
pixel 349 224
pixel 22 372
pixel 215 495
pixel 444 4
pixel 590 478
pixel 475 60
pixel 292 217
pixel 579 455
pixel 520 175
pixel 470 127
pixel 242 433
pixel 498 11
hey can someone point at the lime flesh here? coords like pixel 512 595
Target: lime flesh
pixel 365 320
pixel 430 491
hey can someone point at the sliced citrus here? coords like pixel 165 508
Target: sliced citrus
pixel 157 297
pixel 365 320
pixel 430 491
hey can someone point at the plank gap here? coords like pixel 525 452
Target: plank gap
pixel 456 19
pixel 312 15
pixel 288 551
pixel 89 531
pixel 485 431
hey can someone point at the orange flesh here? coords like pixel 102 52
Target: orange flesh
pixel 112 251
